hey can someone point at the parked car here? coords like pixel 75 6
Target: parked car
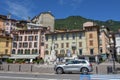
pixel 74 65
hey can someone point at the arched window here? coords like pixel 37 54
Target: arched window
pixel 33 51
pixel 25 51
pixel 19 51
pixel 13 51
pixel 36 51
pixel 28 52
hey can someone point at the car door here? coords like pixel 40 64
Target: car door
pixel 69 66
pixel 77 65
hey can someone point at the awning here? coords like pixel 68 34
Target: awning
pixel 23 56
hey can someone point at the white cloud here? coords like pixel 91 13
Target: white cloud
pixel 72 3
pixel 17 9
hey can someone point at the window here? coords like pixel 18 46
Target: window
pixel 20 51
pixel 13 51
pixel 52 37
pixel 25 44
pixel 25 38
pixel 73 35
pixel 67 45
pixel 70 62
pixel 34 51
pixel 7 23
pixel 25 51
pixel 36 38
pixel 28 52
pixel 91 35
pixel 30 38
pixel 91 51
pixel 80 44
pixel 20 45
pixel 62 37
pixel 7 43
pixel 91 42
pixel 35 44
pixel 80 51
pixel 80 35
pixel 46 37
pixel 6 51
pixel 14 45
pixel 15 38
pixel 20 38
pixel 67 36
pixel 55 37
pixel 62 45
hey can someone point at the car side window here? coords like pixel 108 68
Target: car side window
pixel 70 62
pixel 80 62
pixel 83 62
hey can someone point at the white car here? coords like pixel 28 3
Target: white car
pixel 74 65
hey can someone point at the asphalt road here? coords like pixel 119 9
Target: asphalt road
pixel 47 76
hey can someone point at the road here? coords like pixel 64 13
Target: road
pixel 46 76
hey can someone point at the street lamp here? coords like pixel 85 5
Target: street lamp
pixel 111 50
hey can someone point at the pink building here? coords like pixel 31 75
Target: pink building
pixel 28 44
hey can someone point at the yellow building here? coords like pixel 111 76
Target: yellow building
pixel 5 46
pixel 90 43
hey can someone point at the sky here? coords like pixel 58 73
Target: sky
pixel 92 9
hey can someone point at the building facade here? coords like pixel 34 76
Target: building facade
pixel 45 19
pixel 89 43
pixel 7 24
pixel 5 46
pixel 27 44
pixel 2 22
pixel 117 42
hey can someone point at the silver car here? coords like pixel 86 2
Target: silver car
pixel 74 65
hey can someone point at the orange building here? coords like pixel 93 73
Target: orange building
pixel 92 40
pixel 2 21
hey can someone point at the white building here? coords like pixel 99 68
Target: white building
pixel 117 42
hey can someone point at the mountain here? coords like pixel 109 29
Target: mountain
pixel 76 22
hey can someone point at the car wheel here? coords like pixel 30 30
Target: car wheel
pixel 59 71
pixel 84 71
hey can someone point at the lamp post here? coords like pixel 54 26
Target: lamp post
pixel 111 50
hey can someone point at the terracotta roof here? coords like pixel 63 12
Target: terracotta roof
pixel 72 31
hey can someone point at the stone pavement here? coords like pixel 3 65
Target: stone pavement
pixel 97 68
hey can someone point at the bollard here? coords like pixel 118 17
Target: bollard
pixel 8 67
pixel 31 68
pixel 19 68
pixel 96 70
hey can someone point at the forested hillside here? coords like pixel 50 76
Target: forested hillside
pixel 76 22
